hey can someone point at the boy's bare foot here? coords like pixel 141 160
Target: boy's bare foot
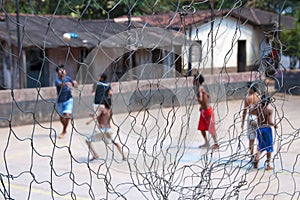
pixel 62 135
pixel 252 159
pixel 268 167
pixel 94 158
pixel 215 146
pixel 205 145
pixel 255 164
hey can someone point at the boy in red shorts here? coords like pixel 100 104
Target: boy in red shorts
pixel 206 121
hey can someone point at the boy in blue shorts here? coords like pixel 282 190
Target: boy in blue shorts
pixel 264 131
pixel 64 85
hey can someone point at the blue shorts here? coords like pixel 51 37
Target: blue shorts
pixel 265 139
pixel 65 107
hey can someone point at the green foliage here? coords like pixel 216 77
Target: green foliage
pixel 38 7
pixel 287 7
pixel 96 9
pixel 142 7
pixel 290 39
pixel 92 9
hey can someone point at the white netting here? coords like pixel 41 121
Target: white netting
pixel 150 61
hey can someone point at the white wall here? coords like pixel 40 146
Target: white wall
pixel 226 35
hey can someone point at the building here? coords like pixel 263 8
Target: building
pixel 207 41
pixel 39 42
pixel 228 40
pixel 156 48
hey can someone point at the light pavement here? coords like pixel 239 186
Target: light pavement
pixel 164 161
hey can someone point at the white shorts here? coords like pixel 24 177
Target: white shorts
pixel 97 106
pixel 251 127
pixel 103 134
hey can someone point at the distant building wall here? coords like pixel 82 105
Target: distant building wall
pixel 227 33
pixel 63 56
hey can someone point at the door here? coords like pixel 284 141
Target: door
pixel 37 69
pixel 241 56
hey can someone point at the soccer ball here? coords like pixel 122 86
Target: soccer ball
pixel 67 37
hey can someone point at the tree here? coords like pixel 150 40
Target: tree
pixel 290 39
pixel 287 39
pixel 37 7
pixel 283 7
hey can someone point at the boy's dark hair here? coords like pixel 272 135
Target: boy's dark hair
pixel 199 78
pixel 103 77
pixel 252 86
pixel 59 67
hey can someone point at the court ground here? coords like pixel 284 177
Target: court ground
pixel 164 160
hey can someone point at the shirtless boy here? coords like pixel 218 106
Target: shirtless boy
pixel 250 108
pixel 264 131
pixel 104 134
pixel 206 121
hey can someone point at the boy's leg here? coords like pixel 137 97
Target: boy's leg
pixel 214 136
pixel 216 145
pixel 206 144
pixel 120 150
pixel 251 149
pixel 91 148
pixel 64 121
pixel 65 108
pixel 268 167
pixel 251 146
pixel 255 163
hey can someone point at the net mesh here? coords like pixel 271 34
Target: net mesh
pixel 155 116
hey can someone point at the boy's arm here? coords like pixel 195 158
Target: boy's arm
pixel 244 113
pixel 200 94
pixel 59 83
pixel 75 84
pixel 110 94
pixel 270 117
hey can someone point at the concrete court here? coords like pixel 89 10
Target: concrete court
pixel 163 158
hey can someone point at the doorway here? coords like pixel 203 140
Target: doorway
pixel 37 69
pixel 241 56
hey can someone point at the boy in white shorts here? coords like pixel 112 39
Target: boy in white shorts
pixel 250 108
pixel 104 134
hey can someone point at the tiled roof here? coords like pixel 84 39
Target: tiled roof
pixel 179 19
pixel 263 18
pixel 46 31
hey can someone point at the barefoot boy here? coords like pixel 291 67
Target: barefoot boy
pixel 103 117
pixel 250 109
pixel 64 85
pixel 264 131
pixel 206 121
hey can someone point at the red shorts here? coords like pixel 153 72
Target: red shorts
pixel 207 121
